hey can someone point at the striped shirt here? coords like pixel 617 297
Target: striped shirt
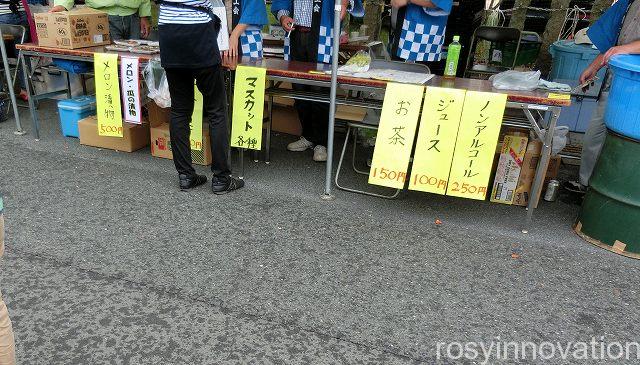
pixel 302 13
pixel 4 8
pixel 174 15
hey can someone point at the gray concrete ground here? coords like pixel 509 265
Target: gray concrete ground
pixel 108 263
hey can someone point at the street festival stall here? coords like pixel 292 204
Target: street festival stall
pixel 456 128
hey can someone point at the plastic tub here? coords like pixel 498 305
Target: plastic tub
pixel 622 114
pixel 73 110
pixel 570 59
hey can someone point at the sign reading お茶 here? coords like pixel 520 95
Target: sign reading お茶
pixel 476 144
pixel 436 139
pixel 400 110
pixel 248 107
pixel 130 89
pixel 108 95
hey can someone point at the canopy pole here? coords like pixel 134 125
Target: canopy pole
pixel 335 48
pixel 10 83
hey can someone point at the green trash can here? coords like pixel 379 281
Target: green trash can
pixel 610 214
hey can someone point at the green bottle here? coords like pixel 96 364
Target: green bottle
pixel 453 54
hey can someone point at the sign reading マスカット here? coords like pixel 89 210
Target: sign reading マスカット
pixel 130 89
pixel 109 109
pixel 248 107
pixel 400 111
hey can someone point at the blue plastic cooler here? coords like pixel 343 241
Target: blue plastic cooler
pixel 622 114
pixel 73 110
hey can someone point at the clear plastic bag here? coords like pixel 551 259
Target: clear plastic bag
pixel 359 62
pixel 559 141
pixel 156 79
pixel 516 80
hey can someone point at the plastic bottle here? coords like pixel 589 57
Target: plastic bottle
pixel 453 54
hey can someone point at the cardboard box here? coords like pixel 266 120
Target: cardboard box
pixel 158 115
pixel 135 136
pixel 77 28
pixel 285 120
pixel 508 170
pixel 528 173
pixel 161 144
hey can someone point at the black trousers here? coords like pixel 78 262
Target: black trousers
pixel 210 82
pixel 314 116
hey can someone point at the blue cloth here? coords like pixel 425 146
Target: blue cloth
pixel 251 43
pixel 423 30
pixel 604 32
pixel 254 12
pixel 326 30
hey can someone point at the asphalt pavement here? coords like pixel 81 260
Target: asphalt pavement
pixel 108 263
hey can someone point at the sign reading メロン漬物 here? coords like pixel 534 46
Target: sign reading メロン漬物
pixel 476 144
pixel 436 139
pixel 396 132
pixel 108 95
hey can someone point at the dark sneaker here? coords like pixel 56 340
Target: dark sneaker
pixel 574 187
pixel 190 182
pixel 224 184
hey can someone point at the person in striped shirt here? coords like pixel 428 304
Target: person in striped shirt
pixel 189 54
pixel 7 347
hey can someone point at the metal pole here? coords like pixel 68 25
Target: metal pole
pixel 335 48
pixel 12 94
pixel 541 169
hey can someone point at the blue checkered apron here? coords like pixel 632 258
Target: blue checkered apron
pixel 287 48
pixel 419 44
pixel 251 43
pixel 325 42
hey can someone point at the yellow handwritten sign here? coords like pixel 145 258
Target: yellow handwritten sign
pixel 555 96
pixel 476 144
pixel 195 135
pixel 436 139
pixel 109 110
pixel 396 132
pixel 248 107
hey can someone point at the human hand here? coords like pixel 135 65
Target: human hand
pixel 399 3
pixel 588 74
pixel 287 23
pixel 57 9
pixel 233 45
pixel 145 27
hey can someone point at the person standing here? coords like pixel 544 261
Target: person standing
pixel 189 53
pixel 128 19
pixel 616 32
pixel 310 40
pixel 245 28
pixel 420 36
pixel 7 347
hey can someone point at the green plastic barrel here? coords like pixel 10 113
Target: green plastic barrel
pixel 610 214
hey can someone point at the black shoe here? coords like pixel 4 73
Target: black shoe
pixel 224 184
pixel 190 182
pixel 574 187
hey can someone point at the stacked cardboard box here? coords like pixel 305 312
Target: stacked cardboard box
pixel 135 136
pixel 77 28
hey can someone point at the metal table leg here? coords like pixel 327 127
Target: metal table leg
pixel 10 82
pixel 267 150
pixel 543 164
pixel 26 69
